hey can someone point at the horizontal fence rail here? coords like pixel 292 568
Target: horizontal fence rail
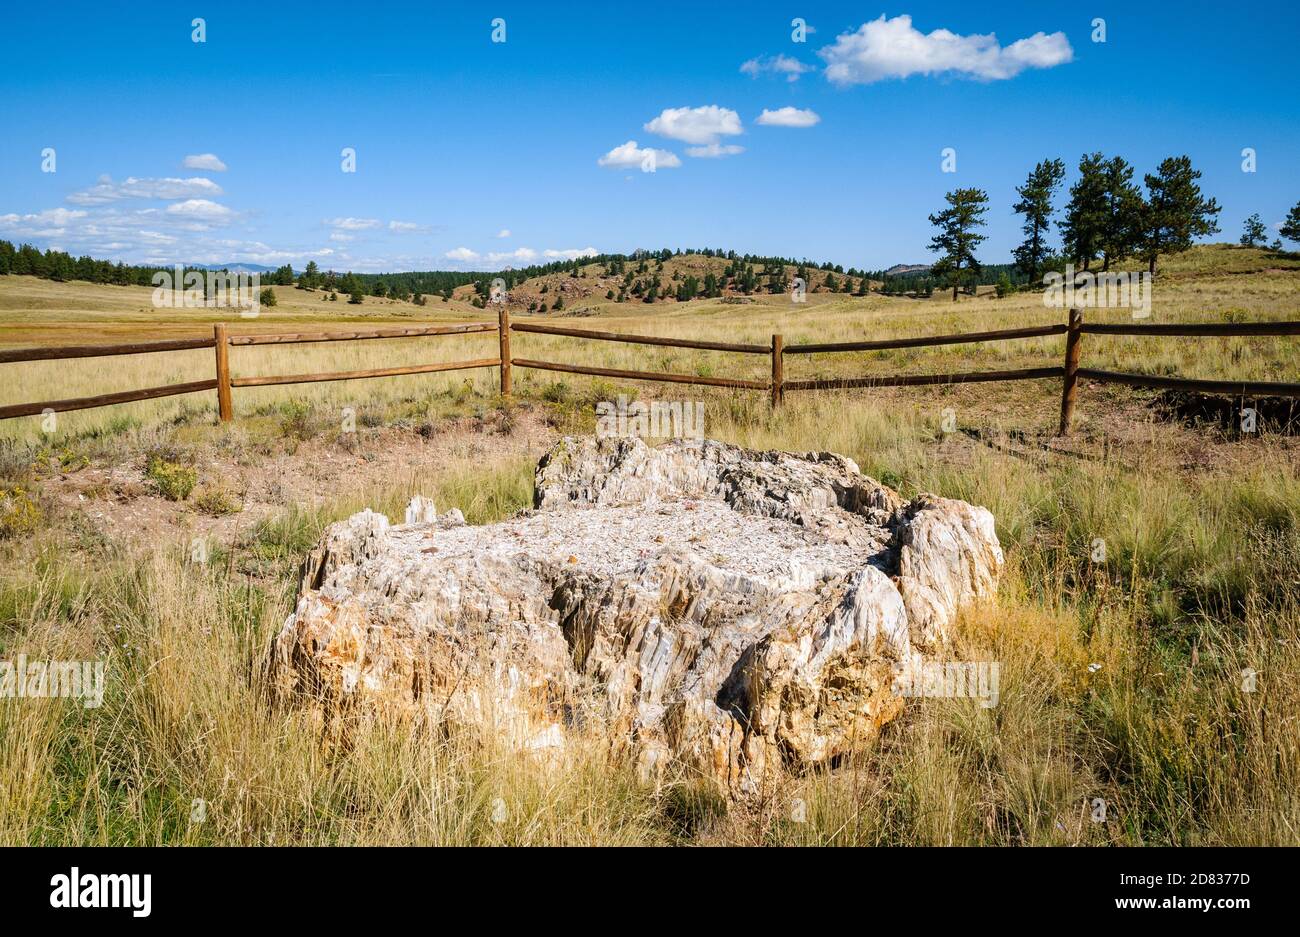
pixel 356 375
pixel 1230 388
pixel 921 380
pixel 105 400
pixel 55 353
pixel 1194 329
pixel 965 338
pixel 640 339
pixel 1069 372
pixel 302 338
pixel 640 375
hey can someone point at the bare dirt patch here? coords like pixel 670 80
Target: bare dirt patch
pixel 117 501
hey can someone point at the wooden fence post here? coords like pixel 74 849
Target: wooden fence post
pixel 1070 388
pixel 503 327
pixel 778 370
pixel 224 408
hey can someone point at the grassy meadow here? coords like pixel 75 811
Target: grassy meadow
pixel 1162 680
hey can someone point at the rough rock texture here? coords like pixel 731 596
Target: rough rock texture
pixel 716 610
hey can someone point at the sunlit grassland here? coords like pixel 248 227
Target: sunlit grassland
pixel 1181 295
pixel 1162 680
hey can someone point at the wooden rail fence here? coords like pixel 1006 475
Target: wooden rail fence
pixel 1069 372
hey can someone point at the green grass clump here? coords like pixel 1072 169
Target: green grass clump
pixel 173 480
pixel 215 502
pixel 20 513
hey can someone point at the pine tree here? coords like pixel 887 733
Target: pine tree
pixel 957 238
pixel 1253 232
pixel 1088 213
pixel 1175 211
pixel 1125 208
pixel 1035 204
pixel 1291 227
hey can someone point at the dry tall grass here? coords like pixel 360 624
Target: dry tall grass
pixel 1126 681
pixel 1208 284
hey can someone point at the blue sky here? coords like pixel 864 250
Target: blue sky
pixel 472 154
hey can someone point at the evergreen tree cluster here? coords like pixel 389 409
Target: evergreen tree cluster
pixel 1107 218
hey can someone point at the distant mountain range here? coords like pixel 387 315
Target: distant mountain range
pixel 233 267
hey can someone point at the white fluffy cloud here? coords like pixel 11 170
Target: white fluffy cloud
pixel 53 222
pixel 894 48
pixel 522 255
pixel 714 150
pixel 255 252
pixel 792 68
pixel 699 125
pixel 632 156
pixel 201 209
pixel 503 233
pixel 407 227
pixel 185 228
pixel 571 253
pixel 788 117
pixel 106 190
pixel 206 161
pixel 148 235
pixel 353 224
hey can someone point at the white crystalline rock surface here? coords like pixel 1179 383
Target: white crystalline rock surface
pixel 421 510
pixel 714 610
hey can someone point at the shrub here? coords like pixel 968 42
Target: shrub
pixel 300 421
pixel 555 392
pixel 214 502
pixel 173 480
pixel 20 514
pixel 267 297
pixel 60 459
